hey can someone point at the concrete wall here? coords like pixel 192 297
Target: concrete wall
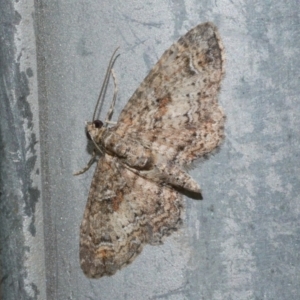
pixel 242 241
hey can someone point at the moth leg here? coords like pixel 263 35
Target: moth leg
pixel 112 106
pixel 89 164
pixel 110 122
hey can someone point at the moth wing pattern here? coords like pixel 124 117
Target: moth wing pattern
pixel 124 211
pixel 175 109
pixel 175 117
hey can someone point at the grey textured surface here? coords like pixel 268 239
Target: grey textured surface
pixel 243 240
pixel 22 261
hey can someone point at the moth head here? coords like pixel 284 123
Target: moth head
pixel 94 130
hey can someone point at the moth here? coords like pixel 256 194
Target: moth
pixel 172 119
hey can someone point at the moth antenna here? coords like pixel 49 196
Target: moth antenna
pixel 105 82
